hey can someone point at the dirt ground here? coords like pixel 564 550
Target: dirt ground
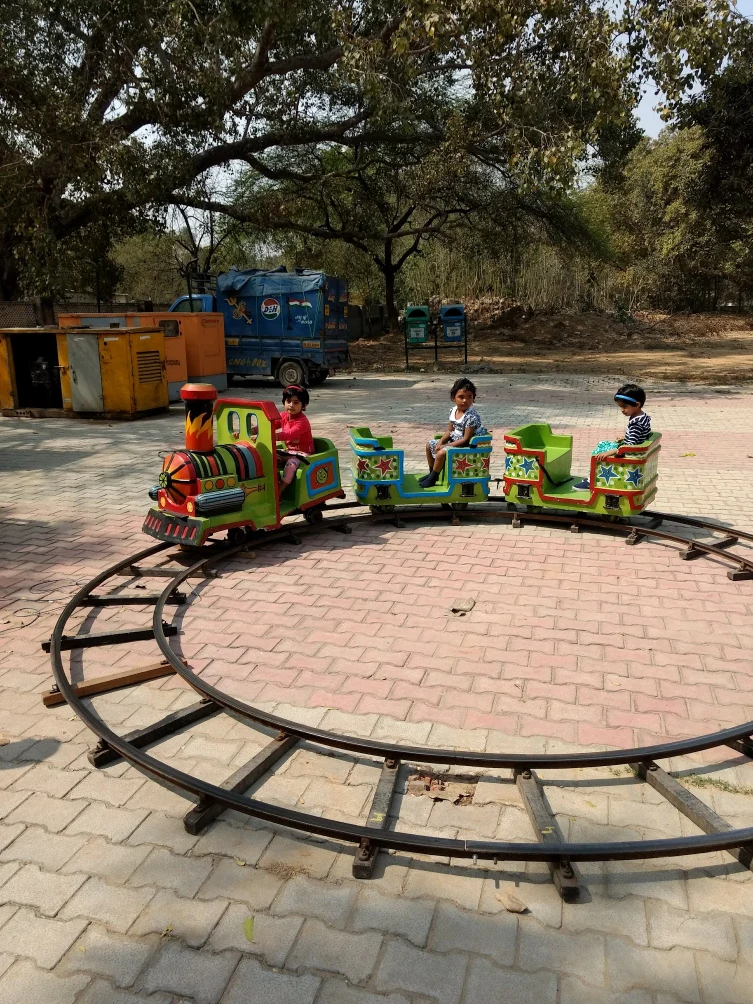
pixel 504 337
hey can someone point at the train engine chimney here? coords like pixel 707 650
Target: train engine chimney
pixel 199 398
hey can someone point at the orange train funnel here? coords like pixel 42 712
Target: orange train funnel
pixel 199 398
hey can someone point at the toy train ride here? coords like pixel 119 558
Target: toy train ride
pixel 234 486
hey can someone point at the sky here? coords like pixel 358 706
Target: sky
pixel 647 117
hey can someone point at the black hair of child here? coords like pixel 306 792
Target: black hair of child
pixel 632 390
pixel 463 384
pixel 295 391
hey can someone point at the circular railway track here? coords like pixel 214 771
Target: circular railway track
pixel 373 834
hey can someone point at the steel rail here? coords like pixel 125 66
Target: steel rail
pixel 396 840
pixel 424 754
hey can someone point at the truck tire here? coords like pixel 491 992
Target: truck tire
pixel 318 377
pixel 291 371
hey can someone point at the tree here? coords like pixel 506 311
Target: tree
pixel 107 108
pixel 673 244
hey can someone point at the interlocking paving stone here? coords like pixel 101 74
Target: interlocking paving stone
pixel 171 871
pixel 335 992
pixel 230 880
pixel 191 920
pixel 184 971
pixel 53 814
pixel 713 933
pixel 273 937
pixel 573 991
pixel 321 947
pixel 311 898
pixel 36 846
pixel 242 842
pixel 44 890
pixel 409 918
pixel 290 856
pixel 118 958
pixel 165 830
pixel 582 955
pixel 271 987
pixel 115 906
pixel 488 984
pixel 671 971
pixel 24 983
pixel 115 824
pixel 39 938
pixel 404 967
pixel 113 862
pixel 101 992
pixel 459 930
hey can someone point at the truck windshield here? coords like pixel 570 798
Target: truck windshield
pixel 185 305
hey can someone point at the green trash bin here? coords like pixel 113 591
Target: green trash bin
pixel 417 325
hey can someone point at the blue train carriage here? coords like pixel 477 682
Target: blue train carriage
pixel 380 481
pixel 205 489
pixel 537 474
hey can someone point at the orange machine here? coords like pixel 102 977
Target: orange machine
pixel 194 343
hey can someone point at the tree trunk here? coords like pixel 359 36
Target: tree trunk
pixel 9 284
pixel 389 288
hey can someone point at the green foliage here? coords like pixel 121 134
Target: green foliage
pixel 107 109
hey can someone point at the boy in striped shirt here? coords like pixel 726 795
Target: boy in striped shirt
pixel 630 399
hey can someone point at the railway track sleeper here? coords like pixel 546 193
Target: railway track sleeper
pixel 691 806
pixel 104 754
pixel 98 639
pixel 208 809
pixel 547 831
pixel 132 600
pixel 743 745
pixel 367 851
pixel 112 681
pixel 161 572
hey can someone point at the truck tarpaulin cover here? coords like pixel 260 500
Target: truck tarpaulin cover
pixel 268 282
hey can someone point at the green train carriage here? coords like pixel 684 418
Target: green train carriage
pixel 538 474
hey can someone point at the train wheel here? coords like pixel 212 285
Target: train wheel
pixel 459 505
pixel 236 535
pixel 534 508
pixel 313 515
pixel 379 509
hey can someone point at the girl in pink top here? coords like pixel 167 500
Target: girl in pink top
pixel 295 431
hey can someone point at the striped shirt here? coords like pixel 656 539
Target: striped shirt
pixel 638 430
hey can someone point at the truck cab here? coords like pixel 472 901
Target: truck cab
pixel 288 325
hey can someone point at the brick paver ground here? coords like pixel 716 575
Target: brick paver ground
pixel 575 641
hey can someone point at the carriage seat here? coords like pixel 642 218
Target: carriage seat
pixel 364 440
pixel 558 450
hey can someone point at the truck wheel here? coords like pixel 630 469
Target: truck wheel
pixel 318 377
pixel 289 371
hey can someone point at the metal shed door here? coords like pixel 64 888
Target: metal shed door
pixel 86 376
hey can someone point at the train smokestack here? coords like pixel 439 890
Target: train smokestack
pixel 199 398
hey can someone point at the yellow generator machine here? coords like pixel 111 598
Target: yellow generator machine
pixel 119 372
pixel 48 372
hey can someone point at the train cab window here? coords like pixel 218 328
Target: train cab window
pixel 234 424
pixel 252 426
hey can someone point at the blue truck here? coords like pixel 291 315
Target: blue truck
pixel 289 325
